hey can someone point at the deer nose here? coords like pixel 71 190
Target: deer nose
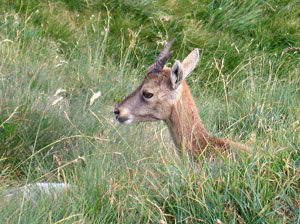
pixel 117 113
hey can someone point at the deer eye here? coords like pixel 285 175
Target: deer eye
pixel 147 95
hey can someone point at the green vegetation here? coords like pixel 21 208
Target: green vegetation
pixel 54 55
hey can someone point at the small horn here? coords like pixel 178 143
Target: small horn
pixel 162 58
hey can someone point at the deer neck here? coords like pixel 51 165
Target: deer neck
pixel 185 124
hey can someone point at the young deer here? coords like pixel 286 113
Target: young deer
pixel 164 95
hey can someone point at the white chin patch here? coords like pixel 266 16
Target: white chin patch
pixel 128 121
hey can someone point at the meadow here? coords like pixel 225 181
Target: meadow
pixel 55 55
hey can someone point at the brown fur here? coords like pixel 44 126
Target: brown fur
pixel 187 130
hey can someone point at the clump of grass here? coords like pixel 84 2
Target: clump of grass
pixel 54 55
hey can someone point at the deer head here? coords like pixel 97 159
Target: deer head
pixel 159 91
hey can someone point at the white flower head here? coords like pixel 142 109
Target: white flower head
pixel 94 97
pixel 57 100
pixel 60 90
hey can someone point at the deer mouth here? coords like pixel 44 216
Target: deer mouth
pixel 124 120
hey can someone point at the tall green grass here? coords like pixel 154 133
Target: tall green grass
pixel 246 87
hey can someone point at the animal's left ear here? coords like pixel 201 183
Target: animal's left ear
pixel 176 75
pixel 190 62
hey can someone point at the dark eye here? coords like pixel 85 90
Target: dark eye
pixel 147 95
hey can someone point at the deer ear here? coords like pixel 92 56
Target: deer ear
pixel 190 62
pixel 176 75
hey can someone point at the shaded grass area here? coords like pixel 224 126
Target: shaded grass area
pixel 54 55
